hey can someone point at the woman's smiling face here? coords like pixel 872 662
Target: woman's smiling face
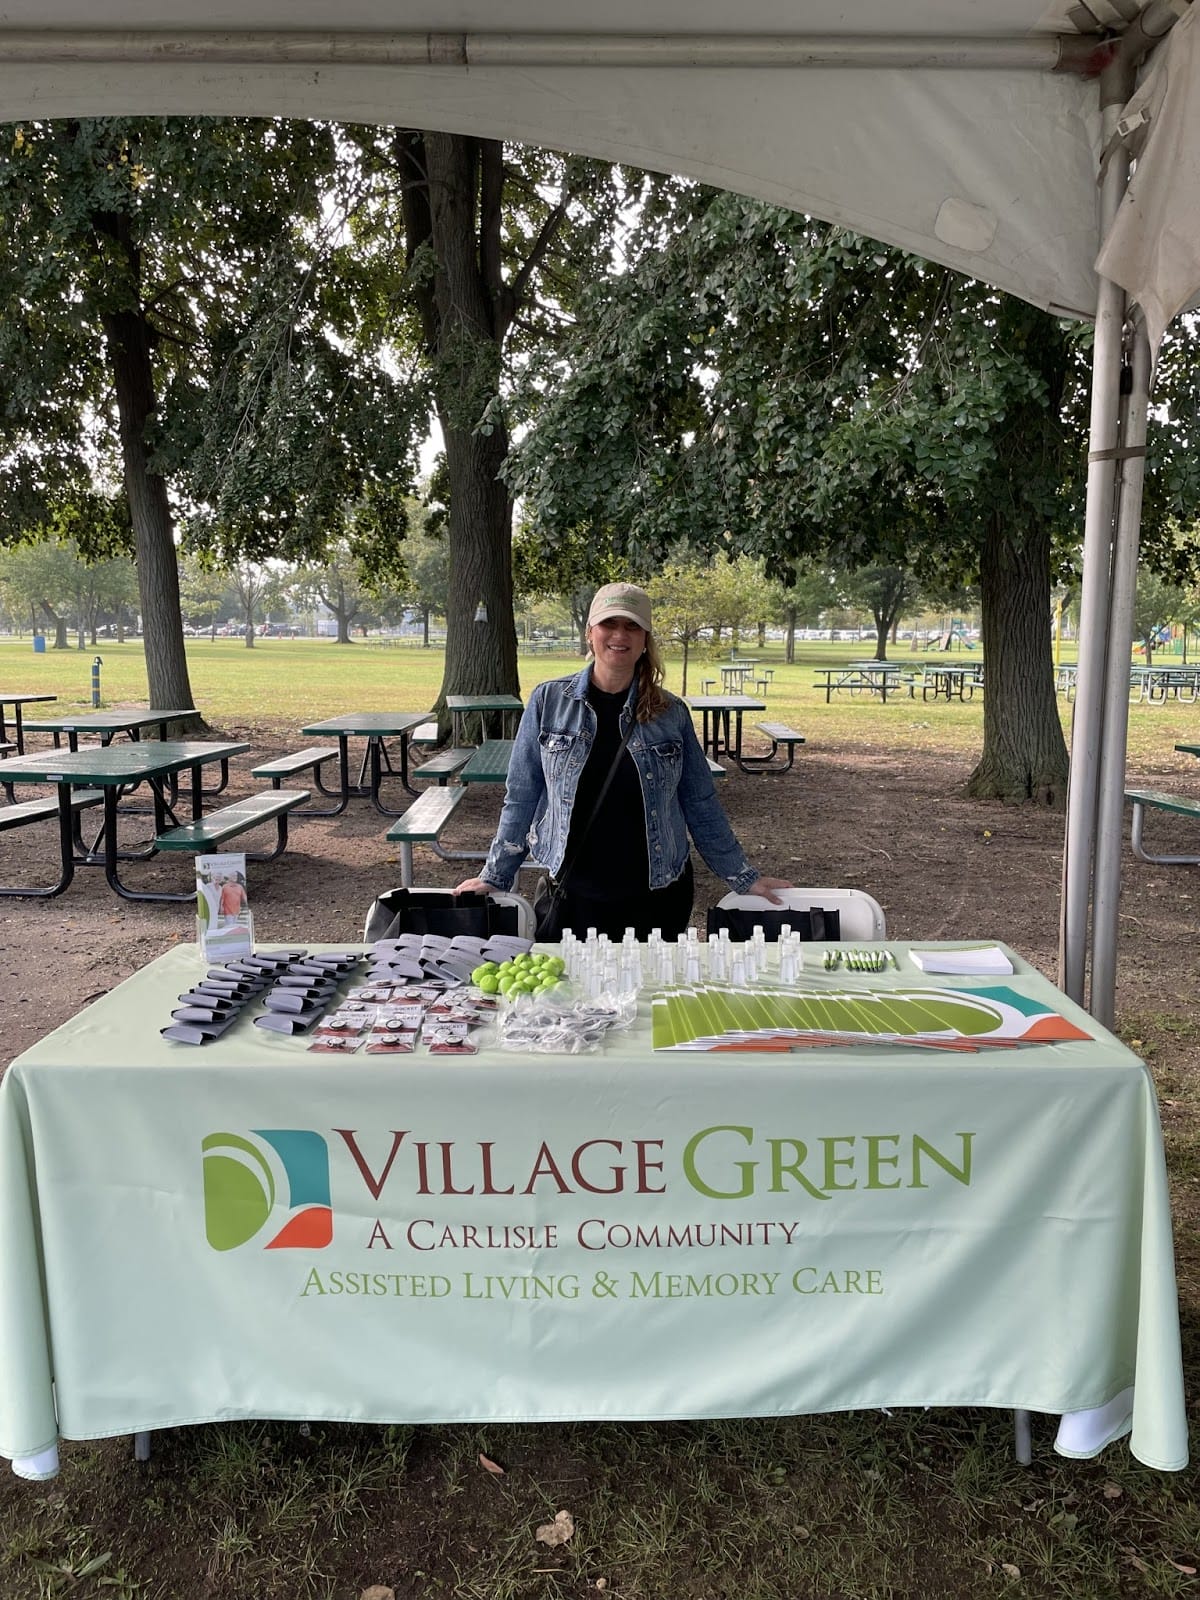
pixel 617 644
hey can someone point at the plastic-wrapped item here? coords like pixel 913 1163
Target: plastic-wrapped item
pixel 546 1025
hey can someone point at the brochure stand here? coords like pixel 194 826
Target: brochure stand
pixel 224 921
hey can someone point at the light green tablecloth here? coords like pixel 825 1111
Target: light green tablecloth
pixel 622 1235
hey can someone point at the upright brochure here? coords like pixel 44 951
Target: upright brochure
pixel 224 923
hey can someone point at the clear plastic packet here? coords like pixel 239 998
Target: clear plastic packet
pixel 546 1025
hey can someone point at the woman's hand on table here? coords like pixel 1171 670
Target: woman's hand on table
pixel 474 886
pixel 765 888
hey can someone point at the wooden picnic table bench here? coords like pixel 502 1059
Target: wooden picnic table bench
pixel 1143 800
pixel 220 826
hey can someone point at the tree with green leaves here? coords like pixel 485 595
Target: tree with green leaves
pixel 41 579
pixel 886 592
pixel 1157 604
pixel 475 248
pixel 337 584
pixel 682 595
pixel 204 593
pixel 815 394
pixel 571 567
pixel 161 310
pixel 426 587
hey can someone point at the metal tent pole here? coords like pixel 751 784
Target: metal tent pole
pixel 1087 726
pixel 167 47
pixel 1095 790
pixel 1106 886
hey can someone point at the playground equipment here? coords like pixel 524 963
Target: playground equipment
pixel 955 635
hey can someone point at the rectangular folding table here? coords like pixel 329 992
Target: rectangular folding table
pixel 261 1231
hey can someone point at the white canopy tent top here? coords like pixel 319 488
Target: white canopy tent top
pixel 990 168
pixel 971 132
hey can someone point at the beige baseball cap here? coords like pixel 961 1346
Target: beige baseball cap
pixel 621 600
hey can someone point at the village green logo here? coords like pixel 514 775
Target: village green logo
pixel 246 1178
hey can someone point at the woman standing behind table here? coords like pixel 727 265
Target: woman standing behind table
pixel 606 781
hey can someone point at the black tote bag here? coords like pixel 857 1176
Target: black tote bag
pixel 439 911
pixel 809 922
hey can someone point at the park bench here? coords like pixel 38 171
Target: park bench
pixel 779 734
pixel 219 826
pixel 5 751
pixel 1143 800
pixel 310 760
pixel 715 767
pixel 445 765
pixel 423 823
pixel 426 734
pixel 38 810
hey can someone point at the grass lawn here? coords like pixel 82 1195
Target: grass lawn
pixel 284 683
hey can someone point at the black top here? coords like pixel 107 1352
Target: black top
pixel 612 858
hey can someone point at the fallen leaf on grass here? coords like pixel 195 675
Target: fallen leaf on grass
pixel 1113 1491
pixel 558 1531
pixel 489 1465
pixel 378 1591
pixel 1009 1570
pixel 1188 1572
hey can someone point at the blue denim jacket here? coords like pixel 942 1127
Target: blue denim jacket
pixel 552 745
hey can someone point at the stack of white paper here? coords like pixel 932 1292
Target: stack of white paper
pixel 982 961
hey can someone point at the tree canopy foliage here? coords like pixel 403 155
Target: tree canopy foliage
pixel 758 380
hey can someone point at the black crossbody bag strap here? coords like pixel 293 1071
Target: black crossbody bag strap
pixel 556 888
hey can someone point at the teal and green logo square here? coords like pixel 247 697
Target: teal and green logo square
pixel 246 1177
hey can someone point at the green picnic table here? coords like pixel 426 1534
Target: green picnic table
pixel 489 764
pixel 105 724
pixel 506 707
pixel 375 727
pixel 114 769
pixel 16 701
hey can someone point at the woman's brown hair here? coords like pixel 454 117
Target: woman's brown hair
pixel 652 698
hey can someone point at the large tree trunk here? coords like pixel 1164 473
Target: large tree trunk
pixel 61 642
pixel 129 343
pixel 481 655
pixel 1024 753
pixel 468 317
